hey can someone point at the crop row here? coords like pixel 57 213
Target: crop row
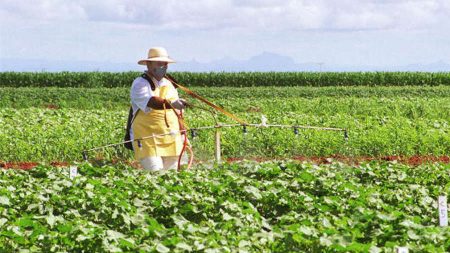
pixel 47 135
pixel 222 79
pixel 114 98
pixel 266 207
pixel 47 124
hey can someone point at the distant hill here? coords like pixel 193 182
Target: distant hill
pixel 263 62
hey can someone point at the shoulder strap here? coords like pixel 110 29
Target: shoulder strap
pixel 172 80
pixel 131 118
pixel 134 116
pixel 152 85
pixel 127 136
pixel 149 80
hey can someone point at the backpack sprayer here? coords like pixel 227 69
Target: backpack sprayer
pixel 184 129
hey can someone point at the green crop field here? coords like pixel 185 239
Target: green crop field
pixel 240 79
pixel 61 122
pixel 244 207
pixel 281 205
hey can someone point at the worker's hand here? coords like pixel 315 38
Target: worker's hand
pixel 179 104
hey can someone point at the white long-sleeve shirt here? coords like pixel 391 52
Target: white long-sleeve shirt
pixel 141 92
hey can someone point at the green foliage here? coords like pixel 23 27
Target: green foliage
pixel 226 79
pixel 279 206
pixel 268 207
pixel 47 124
pixel 67 79
pixel 115 98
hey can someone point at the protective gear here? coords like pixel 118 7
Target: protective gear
pixel 179 104
pixel 155 163
pixel 156 122
pixel 156 54
pixel 160 72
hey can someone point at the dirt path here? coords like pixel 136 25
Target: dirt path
pixel 409 160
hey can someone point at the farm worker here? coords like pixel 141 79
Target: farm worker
pixel 152 99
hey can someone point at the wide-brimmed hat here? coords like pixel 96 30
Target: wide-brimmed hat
pixel 156 54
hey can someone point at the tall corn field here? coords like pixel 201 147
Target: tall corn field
pixel 222 79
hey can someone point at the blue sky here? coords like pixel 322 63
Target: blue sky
pixel 344 32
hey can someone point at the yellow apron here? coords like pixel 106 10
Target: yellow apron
pixel 153 123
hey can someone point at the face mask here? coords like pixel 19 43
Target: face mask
pixel 160 72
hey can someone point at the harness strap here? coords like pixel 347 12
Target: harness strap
pixel 149 80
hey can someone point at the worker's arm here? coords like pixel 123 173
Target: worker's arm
pixel 158 103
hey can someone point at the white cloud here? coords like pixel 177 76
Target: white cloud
pixel 251 15
pixel 343 31
pixel 44 10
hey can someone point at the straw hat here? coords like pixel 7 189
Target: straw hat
pixel 156 54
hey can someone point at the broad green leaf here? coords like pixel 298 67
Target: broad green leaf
pixel 51 220
pixel 254 191
pixel 4 200
pixel 306 230
pixel 183 246
pixel 374 249
pixel 161 248
pixel 114 235
pixel 3 221
pixel 412 235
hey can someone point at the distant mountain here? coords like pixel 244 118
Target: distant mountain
pixel 263 62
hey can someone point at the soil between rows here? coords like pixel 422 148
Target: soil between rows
pixel 409 160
